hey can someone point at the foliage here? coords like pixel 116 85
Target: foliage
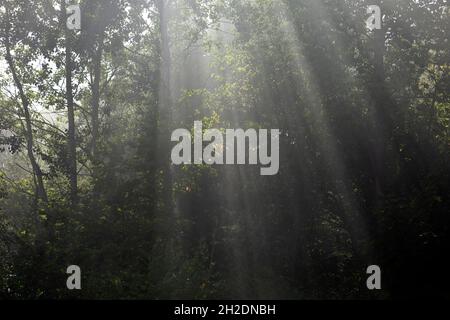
pixel 364 176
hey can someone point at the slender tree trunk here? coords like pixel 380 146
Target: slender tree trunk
pixel 38 176
pixel 380 110
pixel 383 134
pixel 71 138
pixel 97 73
pixel 165 108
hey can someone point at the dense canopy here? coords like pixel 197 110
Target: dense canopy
pixel 86 178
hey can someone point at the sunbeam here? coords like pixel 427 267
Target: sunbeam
pixel 224 149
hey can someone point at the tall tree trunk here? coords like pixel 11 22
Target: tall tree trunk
pixel 97 73
pixel 382 135
pixel 381 118
pixel 38 176
pixel 165 108
pixel 71 138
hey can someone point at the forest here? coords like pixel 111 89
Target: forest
pixel 92 90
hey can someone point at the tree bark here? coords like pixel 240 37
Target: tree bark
pixel 97 73
pixel 71 135
pixel 381 118
pixel 164 105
